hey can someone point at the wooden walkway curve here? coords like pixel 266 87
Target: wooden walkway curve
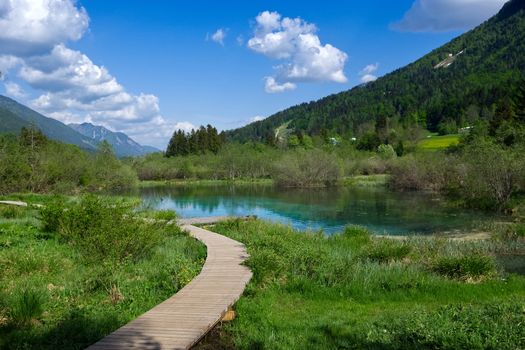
pixel 182 320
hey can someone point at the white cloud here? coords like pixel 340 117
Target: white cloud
pixel 366 73
pixel 271 86
pixel 70 73
pixel 65 84
pixel 257 118
pixel 446 15
pixel 369 69
pixel 240 40
pixel 219 36
pixel 295 43
pixel 35 26
pixel 14 90
pixel 8 62
pixel 367 78
pixel 185 126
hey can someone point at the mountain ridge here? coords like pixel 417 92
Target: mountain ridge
pixel 122 144
pixel 15 115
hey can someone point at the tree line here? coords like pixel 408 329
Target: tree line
pixel 200 141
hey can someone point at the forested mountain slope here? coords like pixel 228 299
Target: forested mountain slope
pixel 123 145
pixel 14 116
pixel 463 79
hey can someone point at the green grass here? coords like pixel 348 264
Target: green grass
pixel 377 180
pixel 353 291
pixel 436 143
pixel 190 182
pixel 54 296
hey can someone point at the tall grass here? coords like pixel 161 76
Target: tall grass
pixel 58 293
pixel 26 306
pixel 317 292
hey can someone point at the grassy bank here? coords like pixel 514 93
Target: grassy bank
pixel 190 182
pixel 351 291
pixel 75 271
pixel 378 180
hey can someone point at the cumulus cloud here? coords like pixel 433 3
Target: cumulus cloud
pixel 257 118
pixel 185 126
pixel 70 73
pixel 219 36
pixel 446 15
pixel 35 26
pixel 366 73
pixel 272 86
pixel 8 62
pixel 14 90
pixel 295 44
pixel 66 84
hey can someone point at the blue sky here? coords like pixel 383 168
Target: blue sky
pixel 148 67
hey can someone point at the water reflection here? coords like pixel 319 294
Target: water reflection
pixel 328 209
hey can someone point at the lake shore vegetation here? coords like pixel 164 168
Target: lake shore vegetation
pixel 354 291
pixel 78 268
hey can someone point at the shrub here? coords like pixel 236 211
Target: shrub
pixel 470 266
pixel 368 142
pixel 50 166
pixel 357 236
pixel 384 251
pixel 493 174
pixel 107 230
pixel 307 169
pixel 26 306
pixel 51 214
pixel 386 152
pixel 514 232
pixel 425 172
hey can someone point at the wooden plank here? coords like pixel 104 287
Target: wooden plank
pixel 17 203
pixel 182 320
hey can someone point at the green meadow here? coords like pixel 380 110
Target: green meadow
pixel 354 291
pixel 436 142
pixel 82 267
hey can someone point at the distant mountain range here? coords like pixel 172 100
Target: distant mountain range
pixel 14 116
pixel 466 77
pixel 123 145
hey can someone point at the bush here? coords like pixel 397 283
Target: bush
pixel 50 166
pixel 107 230
pixel 386 152
pixel 493 174
pixel 26 306
pixel 384 251
pixel 426 172
pixel 471 266
pixel 357 236
pixel 307 169
pixel 51 214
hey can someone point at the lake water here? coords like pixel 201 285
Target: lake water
pixel 330 210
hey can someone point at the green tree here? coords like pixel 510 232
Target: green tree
pixel 520 103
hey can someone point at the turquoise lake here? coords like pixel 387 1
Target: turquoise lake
pixel 330 210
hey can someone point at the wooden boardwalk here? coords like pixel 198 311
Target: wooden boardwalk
pixel 17 203
pixel 182 320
